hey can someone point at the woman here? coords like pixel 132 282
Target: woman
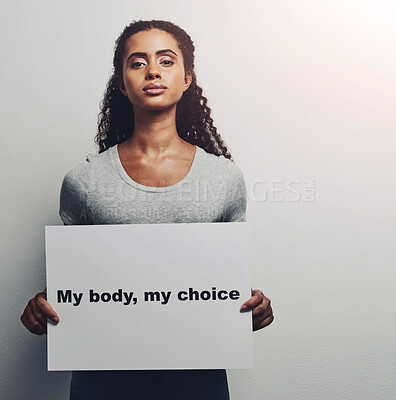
pixel 155 137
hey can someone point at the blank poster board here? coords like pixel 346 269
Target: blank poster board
pixel 163 296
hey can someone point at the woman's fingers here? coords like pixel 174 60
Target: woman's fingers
pixel 34 325
pixel 262 314
pixel 262 324
pixel 32 319
pixel 36 313
pixel 45 308
pixel 261 309
pixel 253 302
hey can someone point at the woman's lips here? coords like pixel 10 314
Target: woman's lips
pixel 154 89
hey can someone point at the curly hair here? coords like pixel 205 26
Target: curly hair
pixel 193 121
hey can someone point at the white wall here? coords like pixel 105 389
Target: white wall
pixel 301 90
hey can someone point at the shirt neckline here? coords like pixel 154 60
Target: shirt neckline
pixel 115 157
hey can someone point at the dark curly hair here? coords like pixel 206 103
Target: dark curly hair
pixel 193 121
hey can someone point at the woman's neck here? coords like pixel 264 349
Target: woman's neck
pixel 154 133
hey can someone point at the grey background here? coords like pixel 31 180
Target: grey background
pixel 304 94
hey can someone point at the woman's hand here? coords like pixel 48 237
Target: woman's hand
pixel 261 309
pixel 36 313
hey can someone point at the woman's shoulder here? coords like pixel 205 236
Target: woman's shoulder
pixel 76 186
pixel 220 165
pixel 83 170
pixel 227 176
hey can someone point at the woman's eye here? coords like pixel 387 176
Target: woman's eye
pixel 167 62
pixel 137 64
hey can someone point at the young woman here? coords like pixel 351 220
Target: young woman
pixel 160 160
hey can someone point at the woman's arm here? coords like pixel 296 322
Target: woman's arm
pixel 72 211
pixel 259 304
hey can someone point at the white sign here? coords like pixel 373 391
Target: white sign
pixel 163 296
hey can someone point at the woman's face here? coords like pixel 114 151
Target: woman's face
pixel 153 71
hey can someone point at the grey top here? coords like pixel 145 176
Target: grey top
pixel 99 191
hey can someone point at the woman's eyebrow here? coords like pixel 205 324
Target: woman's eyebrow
pixel 141 54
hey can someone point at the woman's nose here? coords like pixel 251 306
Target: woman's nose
pixel 153 72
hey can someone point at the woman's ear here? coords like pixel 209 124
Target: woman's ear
pixel 187 80
pixel 122 87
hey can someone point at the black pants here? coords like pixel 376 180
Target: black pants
pixel 150 385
